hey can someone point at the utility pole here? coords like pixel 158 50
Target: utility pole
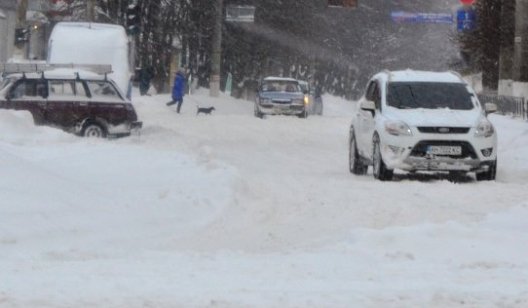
pixel 20 47
pixel 520 59
pixel 90 10
pixel 216 55
pixel 507 37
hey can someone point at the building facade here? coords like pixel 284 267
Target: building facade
pixel 8 11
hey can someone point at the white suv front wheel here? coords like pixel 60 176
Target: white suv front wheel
pixel 380 170
pixel 488 175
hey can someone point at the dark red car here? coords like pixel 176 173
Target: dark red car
pixel 81 102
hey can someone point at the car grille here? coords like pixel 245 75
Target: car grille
pixel 443 130
pixel 281 101
pixel 420 149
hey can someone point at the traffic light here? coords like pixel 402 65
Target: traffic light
pixel 21 35
pixel 133 18
pixel 343 3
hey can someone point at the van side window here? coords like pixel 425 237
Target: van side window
pixel 29 89
pixel 66 90
pixel 103 90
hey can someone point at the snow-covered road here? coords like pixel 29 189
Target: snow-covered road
pixel 229 210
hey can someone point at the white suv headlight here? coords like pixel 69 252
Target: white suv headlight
pixel 398 128
pixel 484 129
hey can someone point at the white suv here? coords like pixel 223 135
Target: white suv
pixel 422 121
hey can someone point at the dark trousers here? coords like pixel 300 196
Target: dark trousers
pixel 179 101
pixel 143 88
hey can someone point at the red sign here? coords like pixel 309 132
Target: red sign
pixel 467 2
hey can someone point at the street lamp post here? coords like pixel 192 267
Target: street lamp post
pixel 521 42
pixel 507 32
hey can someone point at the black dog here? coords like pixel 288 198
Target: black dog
pixel 204 110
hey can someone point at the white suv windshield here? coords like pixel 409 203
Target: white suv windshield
pixel 429 95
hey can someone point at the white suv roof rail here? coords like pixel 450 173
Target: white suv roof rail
pixel 10 68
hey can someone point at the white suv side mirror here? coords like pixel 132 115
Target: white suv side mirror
pixel 490 108
pixel 368 105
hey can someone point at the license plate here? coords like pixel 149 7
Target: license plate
pixel 444 150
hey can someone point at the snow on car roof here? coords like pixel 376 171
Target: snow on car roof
pixel 422 76
pixel 280 79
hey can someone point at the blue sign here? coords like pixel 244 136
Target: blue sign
pixel 466 19
pixel 426 18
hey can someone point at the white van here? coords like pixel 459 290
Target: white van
pixel 92 43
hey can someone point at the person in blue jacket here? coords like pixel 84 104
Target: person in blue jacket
pixel 178 90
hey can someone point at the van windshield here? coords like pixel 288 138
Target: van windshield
pixel 429 95
pixel 280 86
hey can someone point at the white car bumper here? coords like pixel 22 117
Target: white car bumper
pixel 287 109
pixel 417 152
